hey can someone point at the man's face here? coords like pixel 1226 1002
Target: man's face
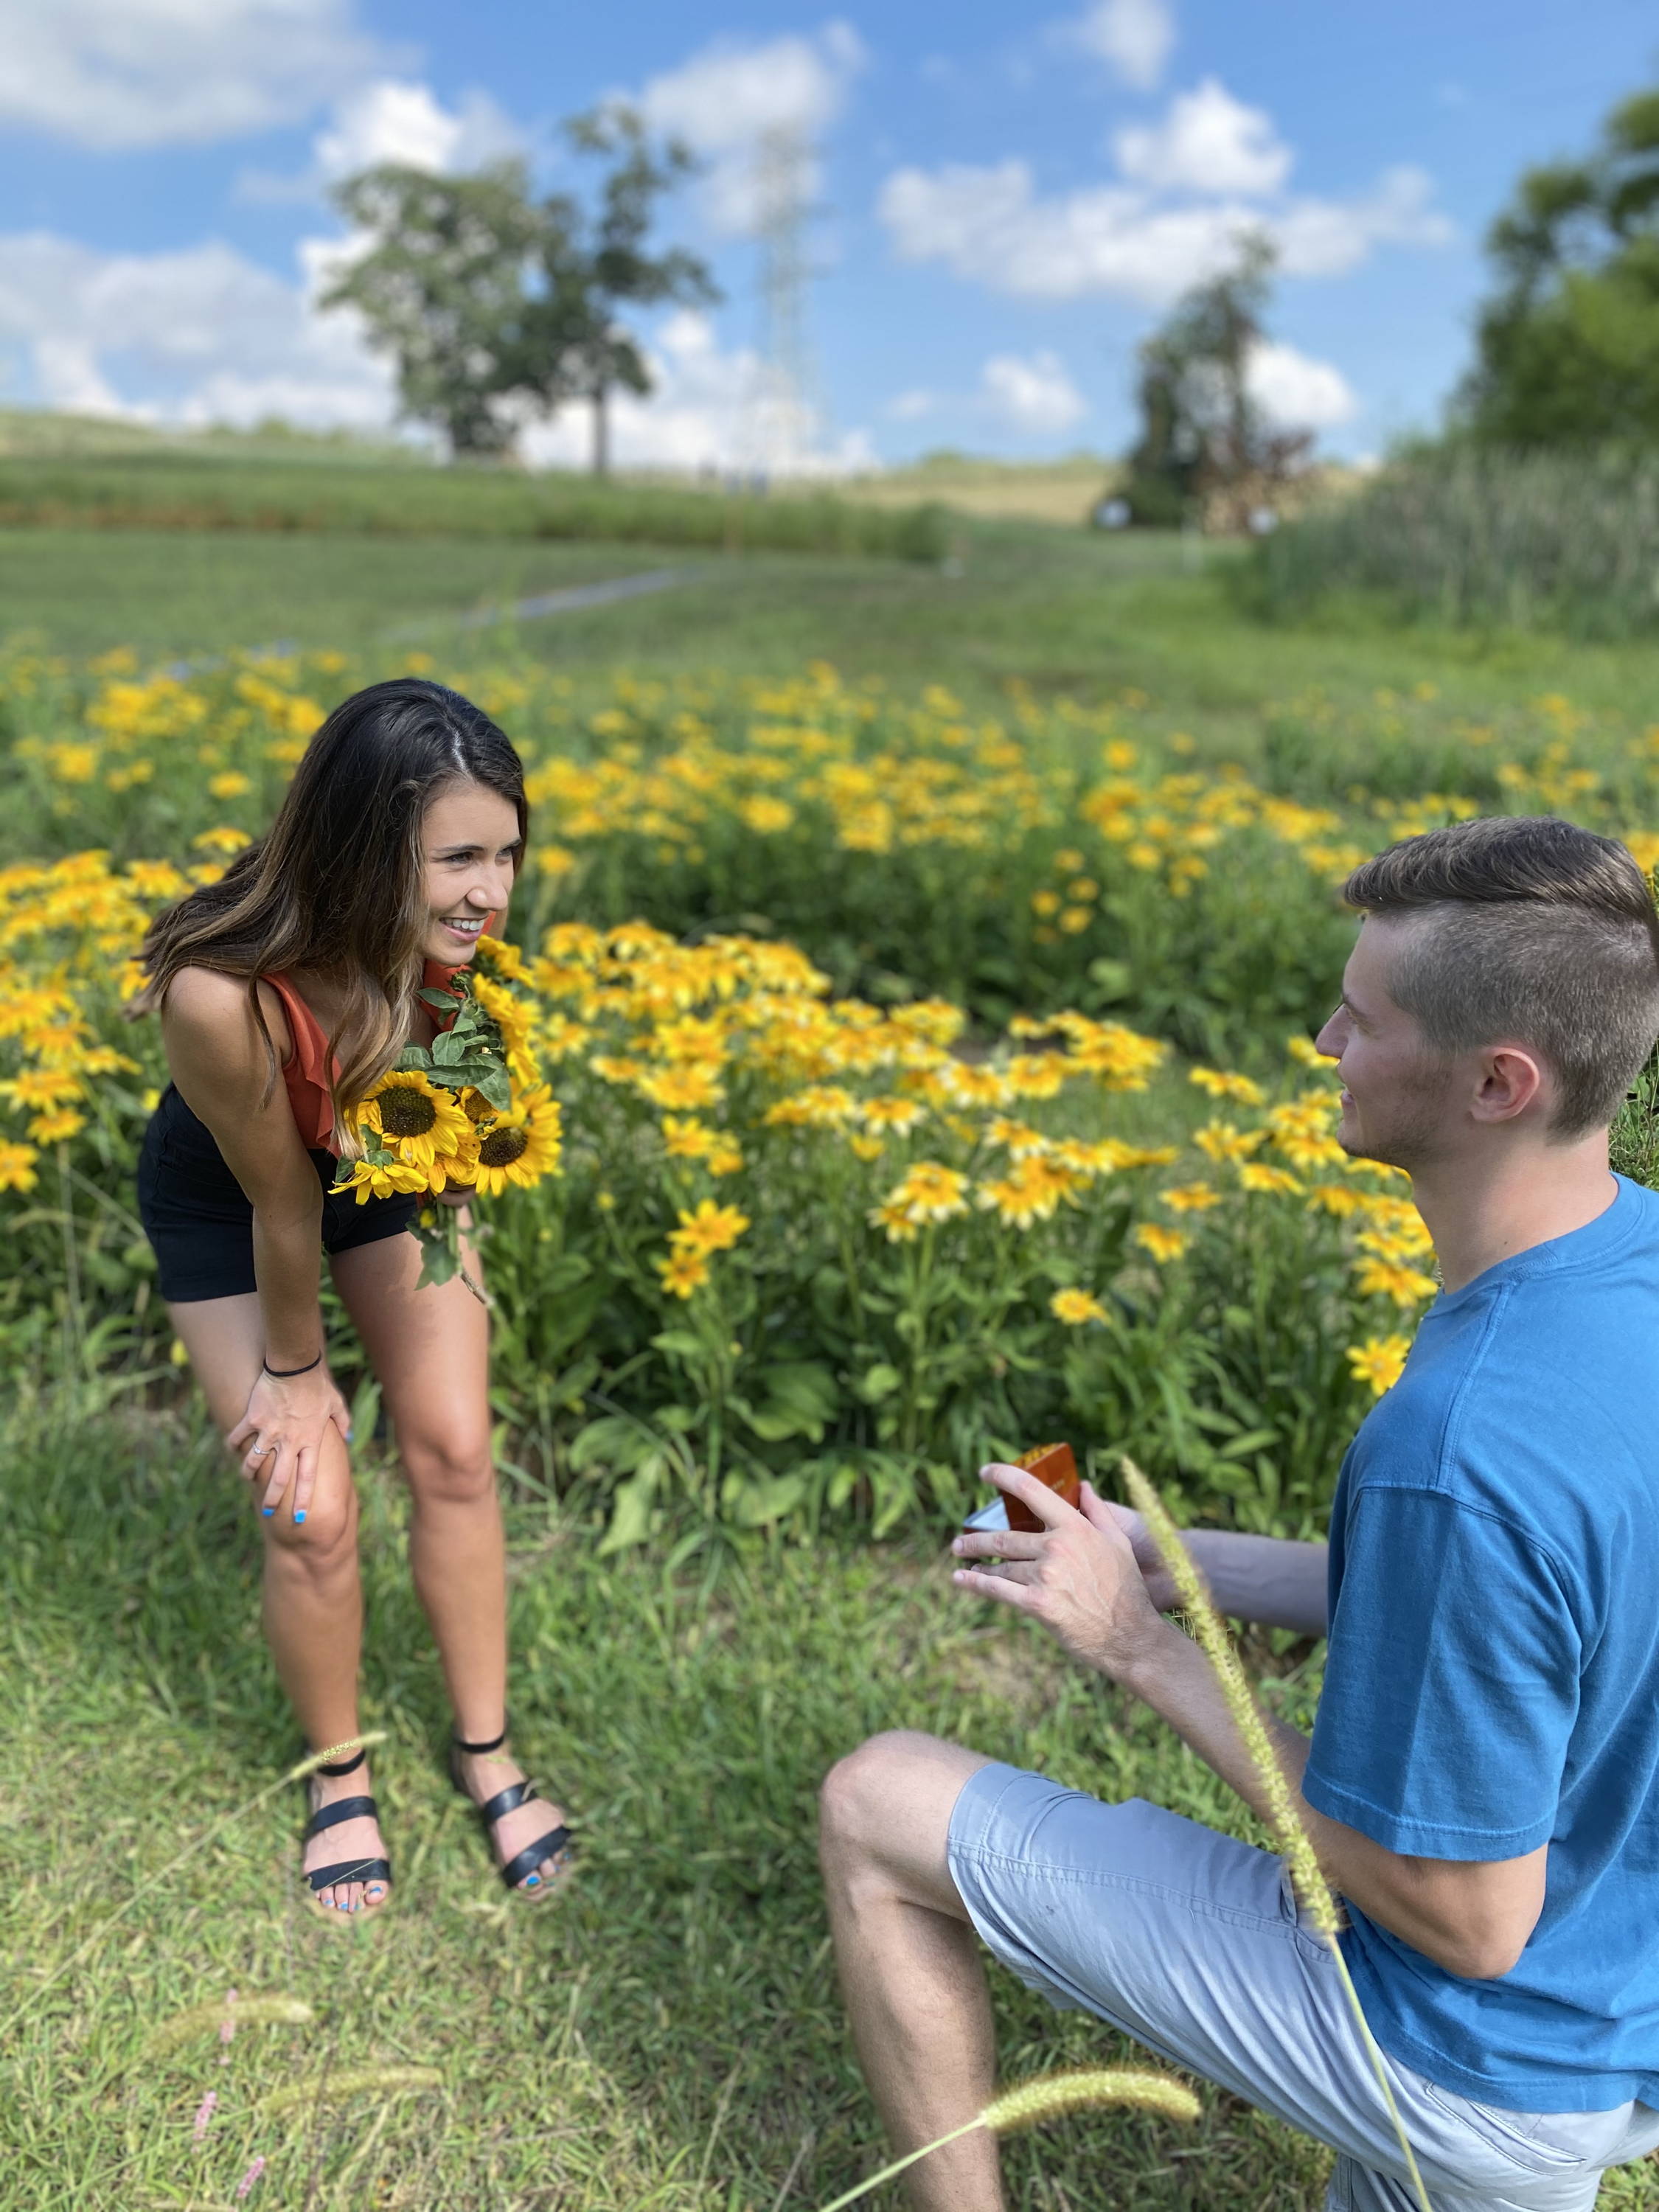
pixel 1397 1092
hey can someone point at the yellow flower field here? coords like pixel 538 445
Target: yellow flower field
pixel 795 1250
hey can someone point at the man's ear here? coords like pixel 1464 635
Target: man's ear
pixel 1511 1078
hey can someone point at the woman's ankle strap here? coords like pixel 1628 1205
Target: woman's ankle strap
pixel 345 1765
pixel 481 1750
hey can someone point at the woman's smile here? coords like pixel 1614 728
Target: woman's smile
pixel 464 928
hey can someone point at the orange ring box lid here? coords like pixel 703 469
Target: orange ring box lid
pixel 1054 1465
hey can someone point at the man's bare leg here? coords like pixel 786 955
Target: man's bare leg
pixel 909 1959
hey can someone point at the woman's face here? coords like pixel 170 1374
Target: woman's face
pixel 470 842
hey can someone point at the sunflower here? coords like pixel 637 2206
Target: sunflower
pixel 521 1146
pixel 414 1115
pixel 370 1179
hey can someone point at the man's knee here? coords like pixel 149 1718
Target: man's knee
pixel 889 1804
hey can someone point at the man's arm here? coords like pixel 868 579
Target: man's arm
pixel 1081 1578
pixel 1270 1580
pixel 1471 1917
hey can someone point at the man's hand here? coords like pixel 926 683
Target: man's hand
pixel 1079 1576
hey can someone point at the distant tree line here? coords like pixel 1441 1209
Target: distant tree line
pixel 1566 347
pixel 499 307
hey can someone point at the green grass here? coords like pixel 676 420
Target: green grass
pixel 1059 611
pixel 669 2034
pixel 202 491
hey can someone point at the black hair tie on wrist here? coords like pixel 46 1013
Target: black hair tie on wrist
pixel 282 1374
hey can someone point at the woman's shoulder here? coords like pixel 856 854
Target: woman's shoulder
pixel 209 1007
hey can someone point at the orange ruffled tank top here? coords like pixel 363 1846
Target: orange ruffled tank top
pixel 305 1073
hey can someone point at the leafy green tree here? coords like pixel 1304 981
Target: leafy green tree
pixel 1568 347
pixel 1205 446
pixel 496 305
pixel 601 265
pixel 445 287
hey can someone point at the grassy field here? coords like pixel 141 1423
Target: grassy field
pixel 670 2036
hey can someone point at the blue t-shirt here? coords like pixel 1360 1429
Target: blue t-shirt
pixel 1492 1677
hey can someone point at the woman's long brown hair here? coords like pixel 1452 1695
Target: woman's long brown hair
pixel 338 881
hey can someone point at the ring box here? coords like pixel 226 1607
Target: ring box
pixel 1053 1465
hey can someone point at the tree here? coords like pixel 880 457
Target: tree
pixel 444 287
pixel 1567 350
pixel 496 305
pixel 1205 445
pixel 602 265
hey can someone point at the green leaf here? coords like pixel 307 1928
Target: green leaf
pixel 447 1049
pixel 630 1519
pixel 682 1343
pixel 494 1084
pixel 877 1383
pixel 764 1499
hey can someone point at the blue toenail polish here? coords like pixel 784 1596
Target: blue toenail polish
pixel 299 1516
pixel 267 1510
pixel 532 1881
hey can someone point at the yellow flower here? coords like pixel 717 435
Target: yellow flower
pixel 901 1230
pixel 1030 1192
pixel 931 1192
pixel 685 1137
pixel 370 1180
pixel 683 1272
pixel 17 1167
pixel 1304 1049
pixel 417 1119
pixel 1387 1278
pixel 1253 1175
pixel 1339 1199
pixel 866 1148
pixel 711 1229
pixel 899 1114
pixel 224 839
pixel 725 1157
pixel 1223 1142
pixel 54 1126
pixel 1045 902
pixel 1221 1084
pixel 229 785
pixel 521 1146
pixel 1191 1197
pixel 1379 1360
pixel 1075 1307
pixel 683 1087
pixel 1163 1244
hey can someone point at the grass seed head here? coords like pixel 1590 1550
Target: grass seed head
pixel 1051 2096
pixel 1292 1839
pixel 354 2082
pixel 213 2017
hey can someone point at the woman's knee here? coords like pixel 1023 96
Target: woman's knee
pixel 453 1468
pixel 327 1536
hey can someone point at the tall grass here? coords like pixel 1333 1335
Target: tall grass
pixel 1466 537
pixel 187 492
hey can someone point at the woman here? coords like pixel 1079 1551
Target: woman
pixel 285 991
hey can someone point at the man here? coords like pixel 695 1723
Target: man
pixel 1482 1784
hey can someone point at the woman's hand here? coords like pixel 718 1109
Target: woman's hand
pixel 457 1194
pixel 281 1435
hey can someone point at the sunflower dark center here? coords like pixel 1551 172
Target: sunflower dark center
pixel 503 1147
pixel 475 1106
pixel 406 1112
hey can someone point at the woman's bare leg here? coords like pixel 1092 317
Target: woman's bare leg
pixel 430 1349
pixel 313 1603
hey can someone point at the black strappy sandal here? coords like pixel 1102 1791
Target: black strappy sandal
pixel 364 1870
pixel 525 1863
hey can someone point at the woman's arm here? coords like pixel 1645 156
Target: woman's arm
pixel 218 1061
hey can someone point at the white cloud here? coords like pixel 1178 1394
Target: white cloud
pixel 700 416
pixel 991 226
pixel 726 101
pixel 912 406
pixel 1033 393
pixel 1209 142
pixel 1131 37
pixel 117 74
pixel 395 120
pixel 1296 391
pixel 211 335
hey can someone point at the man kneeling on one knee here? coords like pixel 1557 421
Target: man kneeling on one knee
pixel 1482 1783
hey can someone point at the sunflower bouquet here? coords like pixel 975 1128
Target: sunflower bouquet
pixel 467 1114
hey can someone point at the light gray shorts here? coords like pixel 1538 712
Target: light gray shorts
pixel 1189 1942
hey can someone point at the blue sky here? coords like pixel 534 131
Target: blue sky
pixel 1003 203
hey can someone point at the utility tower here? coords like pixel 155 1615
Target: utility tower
pixel 781 412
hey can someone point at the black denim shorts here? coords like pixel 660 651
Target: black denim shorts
pixel 200 1224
